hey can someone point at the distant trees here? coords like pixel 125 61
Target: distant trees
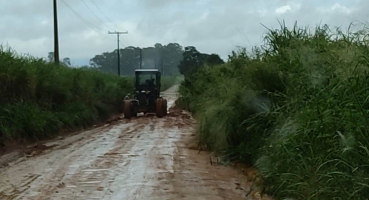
pixel 51 58
pixel 171 59
pixel 163 57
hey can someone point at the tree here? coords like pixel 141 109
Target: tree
pixel 193 60
pixel 213 60
pixel 171 56
pixel 51 56
pixel 66 61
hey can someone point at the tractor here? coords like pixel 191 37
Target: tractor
pixel 146 96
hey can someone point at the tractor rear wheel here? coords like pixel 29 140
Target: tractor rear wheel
pixel 159 108
pixel 127 109
pixel 165 107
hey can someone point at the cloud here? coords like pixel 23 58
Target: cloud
pixel 337 8
pixel 213 26
pixel 283 9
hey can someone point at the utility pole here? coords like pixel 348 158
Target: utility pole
pixel 56 37
pixel 118 33
pixel 162 67
pixel 140 58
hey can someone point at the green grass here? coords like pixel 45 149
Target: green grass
pixel 296 109
pixel 169 81
pixel 39 99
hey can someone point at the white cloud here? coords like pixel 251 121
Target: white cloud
pixel 283 9
pixel 337 8
pixel 263 12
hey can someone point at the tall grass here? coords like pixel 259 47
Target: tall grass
pixel 295 108
pixel 38 99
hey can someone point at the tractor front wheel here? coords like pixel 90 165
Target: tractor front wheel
pixel 159 108
pixel 127 109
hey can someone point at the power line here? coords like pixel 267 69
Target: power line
pixel 90 25
pixel 79 16
pixel 106 17
pixel 92 12
pixel 112 23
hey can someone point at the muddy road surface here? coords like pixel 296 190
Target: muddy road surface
pixel 142 158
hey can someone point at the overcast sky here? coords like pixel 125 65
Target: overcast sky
pixel 213 26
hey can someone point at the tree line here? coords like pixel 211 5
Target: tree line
pixel 171 59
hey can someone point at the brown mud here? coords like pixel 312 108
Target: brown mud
pixel 140 158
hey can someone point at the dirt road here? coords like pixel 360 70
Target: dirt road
pixel 143 158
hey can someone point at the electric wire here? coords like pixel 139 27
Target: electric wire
pixel 106 17
pixel 88 7
pixel 90 25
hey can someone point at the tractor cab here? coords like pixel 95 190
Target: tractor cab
pixel 147 81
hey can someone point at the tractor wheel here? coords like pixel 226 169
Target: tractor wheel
pixel 165 107
pixel 127 109
pixel 159 108
pixel 134 114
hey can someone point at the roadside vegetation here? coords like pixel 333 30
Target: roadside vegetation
pixel 39 99
pixel 169 81
pixel 296 108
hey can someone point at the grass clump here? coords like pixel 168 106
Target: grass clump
pixel 38 98
pixel 295 108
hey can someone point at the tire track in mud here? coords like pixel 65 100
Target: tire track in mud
pixel 164 154
pixel 10 190
pixel 50 176
pixel 137 179
pixel 92 180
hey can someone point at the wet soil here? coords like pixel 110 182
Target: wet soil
pixel 141 158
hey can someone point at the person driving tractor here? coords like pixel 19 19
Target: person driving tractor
pixel 150 83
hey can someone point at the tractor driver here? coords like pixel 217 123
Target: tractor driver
pixel 149 83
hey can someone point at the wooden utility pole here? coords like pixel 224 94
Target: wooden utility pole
pixel 140 58
pixel 56 37
pixel 162 67
pixel 118 33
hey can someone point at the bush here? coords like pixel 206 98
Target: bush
pixel 296 108
pixel 39 98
